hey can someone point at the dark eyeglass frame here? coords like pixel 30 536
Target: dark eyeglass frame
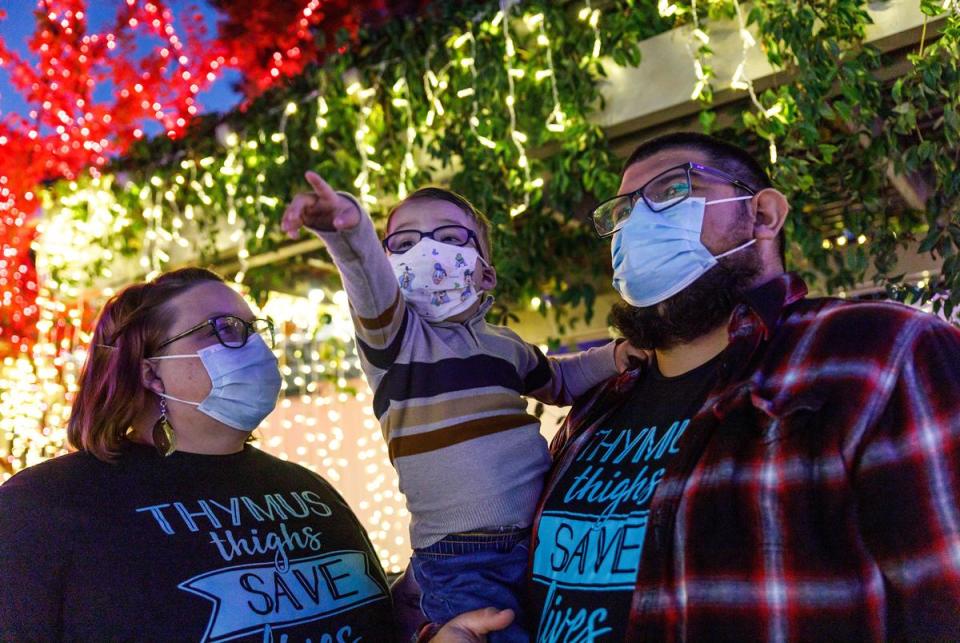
pixel 471 236
pixel 688 167
pixel 249 329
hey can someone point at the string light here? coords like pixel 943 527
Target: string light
pixel 555 121
pixel 362 137
pixel 700 39
pixel 401 100
pixel 741 80
pixel 470 63
pixel 433 87
pixel 515 135
pixel 592 17
pixel 666 8
pixel 308 15
pixel 320 121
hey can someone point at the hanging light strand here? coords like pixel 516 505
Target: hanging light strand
pixel 518 137
pixel 364 148
pixel 592 17
pixel 700 40
pixel 556 119
pixel 401 100
pixel 741 79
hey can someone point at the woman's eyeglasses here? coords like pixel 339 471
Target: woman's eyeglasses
pixel 231 331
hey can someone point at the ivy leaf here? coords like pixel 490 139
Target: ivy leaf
pixel 827 151
pixel 931 240
pixel 708 119
pixel 844 110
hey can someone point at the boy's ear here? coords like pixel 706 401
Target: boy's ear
pixel 488 276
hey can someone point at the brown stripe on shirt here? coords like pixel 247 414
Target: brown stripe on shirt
pixel 403 416
pixel 383 319
pixel 379 331
pixel 457 433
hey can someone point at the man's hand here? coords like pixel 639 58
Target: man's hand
pixel 627 356
pixel 472 627
pixel 322 209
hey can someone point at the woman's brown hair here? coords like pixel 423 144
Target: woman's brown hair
pixel 130 327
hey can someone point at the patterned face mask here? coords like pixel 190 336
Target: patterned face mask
pixel 437 279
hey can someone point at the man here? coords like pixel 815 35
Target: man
pixel 782 468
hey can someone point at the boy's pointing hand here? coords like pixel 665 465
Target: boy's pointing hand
pixel 321 209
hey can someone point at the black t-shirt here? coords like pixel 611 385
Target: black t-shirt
pixel 189 547
pixel 591 534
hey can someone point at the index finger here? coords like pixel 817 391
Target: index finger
pixel 320 187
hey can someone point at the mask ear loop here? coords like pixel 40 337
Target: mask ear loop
pixel 737 249
pixel 170 397
pixel 742 245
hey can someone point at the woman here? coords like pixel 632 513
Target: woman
pixel 166 524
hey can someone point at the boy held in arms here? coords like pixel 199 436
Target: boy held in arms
pixel 448 388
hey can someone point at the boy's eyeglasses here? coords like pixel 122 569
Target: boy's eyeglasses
pixel 231 331
pixel 663 191
pixel 454 235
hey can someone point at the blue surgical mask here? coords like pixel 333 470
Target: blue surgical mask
pixel 658 254
pixel 246 383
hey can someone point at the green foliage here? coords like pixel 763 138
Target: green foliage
pixel 844 135
pixel 840 131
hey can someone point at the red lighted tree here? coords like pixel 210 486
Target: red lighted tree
pixel 153 66
pixel 150 65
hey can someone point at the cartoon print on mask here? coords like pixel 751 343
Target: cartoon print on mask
pixel 435 289
pixel 406 279
pixel 459 260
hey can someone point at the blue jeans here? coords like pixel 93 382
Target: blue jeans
pixel 470 571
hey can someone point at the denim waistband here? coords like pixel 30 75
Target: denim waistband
pixel 500 540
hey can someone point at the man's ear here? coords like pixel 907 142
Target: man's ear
pixel 488 276
pixel 149 377
pixel 772 209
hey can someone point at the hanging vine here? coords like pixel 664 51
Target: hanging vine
pixel 499 105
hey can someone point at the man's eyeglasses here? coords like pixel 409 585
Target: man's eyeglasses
pixel 231 331
pixel 663 191
pixel 455 235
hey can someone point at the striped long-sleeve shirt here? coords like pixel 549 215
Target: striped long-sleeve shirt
pixel 449 397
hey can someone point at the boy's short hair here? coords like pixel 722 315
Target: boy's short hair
pixel 440 194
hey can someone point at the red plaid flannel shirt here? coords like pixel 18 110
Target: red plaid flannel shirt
pixel 819 495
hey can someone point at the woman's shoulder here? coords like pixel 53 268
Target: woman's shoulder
pixel 52 475
pixel 51 487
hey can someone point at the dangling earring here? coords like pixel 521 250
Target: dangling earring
pixel 164 439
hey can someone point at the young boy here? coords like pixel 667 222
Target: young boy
pixel 448 388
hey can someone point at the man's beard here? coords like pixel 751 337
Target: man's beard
pixel 696 310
